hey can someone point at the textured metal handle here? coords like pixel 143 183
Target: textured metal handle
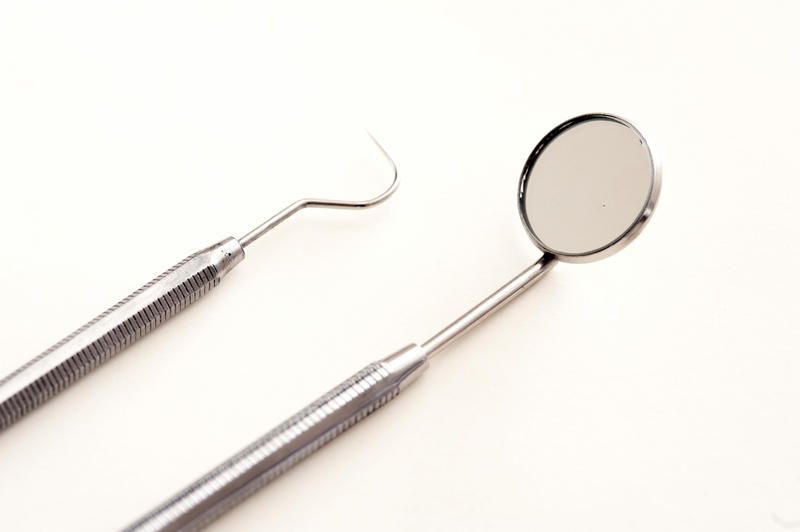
pixel 116 328
pixel 231 482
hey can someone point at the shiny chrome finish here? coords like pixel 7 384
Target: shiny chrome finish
pixel 221 489
pixel 299 205
pixel 636 225
pixel 115 329
pixel 490 305
pixel 138 314
pixel 532 274
pixel 268 457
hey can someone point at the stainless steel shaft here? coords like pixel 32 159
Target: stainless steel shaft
pixel 116 328
pixel 268 457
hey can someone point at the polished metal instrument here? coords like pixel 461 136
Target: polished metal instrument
pixel 587 189
pixel 142 311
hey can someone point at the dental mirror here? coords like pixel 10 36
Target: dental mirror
pixel 588 188
pixel 586 191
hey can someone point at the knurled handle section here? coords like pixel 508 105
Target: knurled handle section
pixel 115 329
pixel 237 478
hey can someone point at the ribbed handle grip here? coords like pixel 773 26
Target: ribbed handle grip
pixel 271 455
pixel 116 328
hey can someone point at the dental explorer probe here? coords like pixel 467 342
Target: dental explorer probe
pixel 145 309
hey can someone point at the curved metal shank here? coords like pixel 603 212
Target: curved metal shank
pixel 115 329
pixel 231 482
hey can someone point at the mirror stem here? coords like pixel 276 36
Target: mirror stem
pixel 490 305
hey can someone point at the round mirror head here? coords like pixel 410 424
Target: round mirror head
pixel 588 188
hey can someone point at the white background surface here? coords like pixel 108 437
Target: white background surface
pixel 657 390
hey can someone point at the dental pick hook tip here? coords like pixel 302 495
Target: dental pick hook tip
pixel 299 205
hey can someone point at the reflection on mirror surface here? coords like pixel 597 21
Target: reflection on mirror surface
pixel 588 186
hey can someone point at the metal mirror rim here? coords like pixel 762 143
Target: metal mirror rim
pixel 631 232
